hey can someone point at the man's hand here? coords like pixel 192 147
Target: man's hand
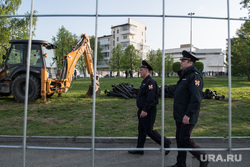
pixel 185 119
pixel 143 114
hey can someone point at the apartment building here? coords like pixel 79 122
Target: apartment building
pixel 214 59
pixel 131 33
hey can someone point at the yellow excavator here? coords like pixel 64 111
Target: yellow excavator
pixel 45 80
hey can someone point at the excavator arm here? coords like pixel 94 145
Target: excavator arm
pixel 71 58
pixel 62 84
pixel 82 47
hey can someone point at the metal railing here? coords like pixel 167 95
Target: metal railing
pixel 93 148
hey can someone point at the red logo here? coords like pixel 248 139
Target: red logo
pixel 197 83
pixel 150 87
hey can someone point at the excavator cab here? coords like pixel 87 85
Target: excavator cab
pixel 13 71
pixel 41 56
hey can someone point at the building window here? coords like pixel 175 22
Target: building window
pixel 124 44
pixel 117 31
pixel 117 38
pixel 105 55
pixel 125 37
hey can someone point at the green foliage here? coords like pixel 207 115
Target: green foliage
pixel 246 4
pixel 13 28
pixel 131 59
pixel 155 60
pixel 199 65
pixel 176 67
pixel 9 6
pixel 115 61
pixel 240 51
pixel 64 41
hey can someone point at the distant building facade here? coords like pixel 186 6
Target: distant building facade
pixel 134 33
pixel 131 33
pixel 214 60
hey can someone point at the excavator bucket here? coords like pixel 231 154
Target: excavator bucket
pixel 89 94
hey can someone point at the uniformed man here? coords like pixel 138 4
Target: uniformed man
pixel 147 99
pixel 187 100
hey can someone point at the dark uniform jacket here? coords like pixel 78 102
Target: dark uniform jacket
pixel 147 96
pixel 188 95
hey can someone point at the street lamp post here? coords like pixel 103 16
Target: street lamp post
pixel 191 14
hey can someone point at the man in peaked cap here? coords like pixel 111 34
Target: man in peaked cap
pixel 147 99
pixel 144 64
pixel 187 100
pixel 188 56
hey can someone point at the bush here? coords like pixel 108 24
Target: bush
pixel 199 66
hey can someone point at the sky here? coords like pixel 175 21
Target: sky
pixel 206 33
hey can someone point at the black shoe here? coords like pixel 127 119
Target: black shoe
pixel 204 164
pixel 136 152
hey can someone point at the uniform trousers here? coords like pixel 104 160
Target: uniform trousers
pixel 145 127
pixel 183 133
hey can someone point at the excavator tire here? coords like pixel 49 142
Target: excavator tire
pixel 18 88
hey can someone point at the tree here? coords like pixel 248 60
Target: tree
pixel 246 4
pixel 155 59
pixel 152 60
pixel 64 41
pixel 240 51
pixel 115 60
pixel 13 28
pixel 131 59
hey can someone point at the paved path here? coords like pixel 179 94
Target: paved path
pixel 12 157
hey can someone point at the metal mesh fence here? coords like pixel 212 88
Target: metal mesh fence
pixel 93 147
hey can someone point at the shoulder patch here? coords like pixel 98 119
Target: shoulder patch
pixel 197 83
pixel 150 87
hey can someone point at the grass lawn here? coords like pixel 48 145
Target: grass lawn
pixel 71 115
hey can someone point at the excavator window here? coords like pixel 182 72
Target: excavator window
pixel 50 61
pixel 16 55
pixel 36 56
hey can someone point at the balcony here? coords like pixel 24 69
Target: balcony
pixel 133 32
pixel 104 42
